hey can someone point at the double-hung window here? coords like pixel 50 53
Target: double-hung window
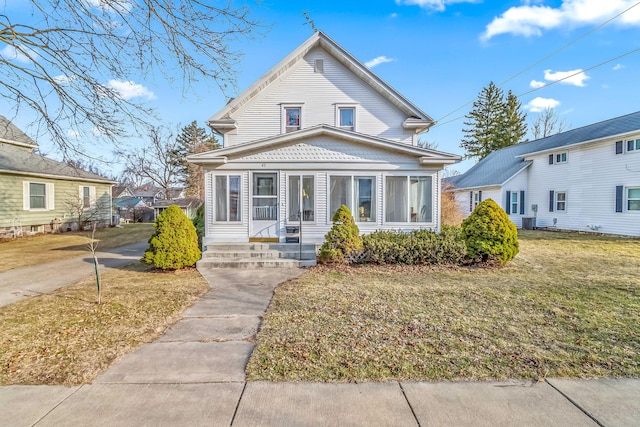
pixel 87 196
pixel 347 117
pixel 408 199
pixel 228 197
pixel 37 196
pixel 514 203
pixel 292 118
pixel 633 199
pixel 561 201
pixel 358 193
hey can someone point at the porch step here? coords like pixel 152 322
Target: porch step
pixel 257 255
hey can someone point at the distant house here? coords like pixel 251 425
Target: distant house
pixel 132 209
pixel 120 191
pixel 42 195
pixel 585 179
pixel 317 131
pixel 188 205
pixel 149 193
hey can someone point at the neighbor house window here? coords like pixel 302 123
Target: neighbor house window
pixel 408 199
pixel 514 203
pixel 37 196
pixel 633 145
pixel 292 116
pixel 87 196
pixel 358 193
pixel 347 117
pixel 633 199
pixel 561 200
pixel 227 188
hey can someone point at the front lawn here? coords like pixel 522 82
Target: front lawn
pixel 567 306
pixel 66 338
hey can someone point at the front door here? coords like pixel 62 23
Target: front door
pixel 264 207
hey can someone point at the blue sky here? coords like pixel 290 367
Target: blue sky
pixel 441 53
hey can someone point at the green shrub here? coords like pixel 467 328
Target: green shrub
pixel 174 243
pixel 415 248
pixel 198 223
pixel 489 234
pixel 343 241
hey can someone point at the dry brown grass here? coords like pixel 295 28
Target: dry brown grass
pixel 44 248
pixel 66 338
pixel 567 306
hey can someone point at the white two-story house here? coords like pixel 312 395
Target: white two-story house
pixel 317 131
pixel 585 179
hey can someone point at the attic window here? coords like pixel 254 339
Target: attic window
pixel 319 66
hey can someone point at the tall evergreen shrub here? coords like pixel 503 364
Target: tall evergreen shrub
pixel 343 241
pixel 489 234
pixel 174 244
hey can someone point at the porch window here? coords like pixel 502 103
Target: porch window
pixel 265 196
pixel 301 197
pixel 408 199
pixel 633 199
pixel 228 198
pixel 354 191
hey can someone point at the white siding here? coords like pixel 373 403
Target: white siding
pixel 517 184
pixel 463 198
pixel 589 177
pixel 319 94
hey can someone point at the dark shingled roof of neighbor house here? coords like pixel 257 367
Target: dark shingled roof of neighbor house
pixel 10 132
pixel 499 166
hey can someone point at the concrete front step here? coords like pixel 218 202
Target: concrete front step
pixel 258 255
pixel 254 263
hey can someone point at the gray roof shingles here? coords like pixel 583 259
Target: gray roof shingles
pixel 499 166
pixel 10 132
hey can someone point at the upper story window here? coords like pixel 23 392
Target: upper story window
pixel 558 158
pixel 347 116
pixel 292 116
pixel 633 145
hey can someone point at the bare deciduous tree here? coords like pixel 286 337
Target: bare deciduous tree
pixel 547 123
pixel 67 61
pixel 155 160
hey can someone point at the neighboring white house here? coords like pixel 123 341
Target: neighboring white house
pixel 585 179
pixel 319 130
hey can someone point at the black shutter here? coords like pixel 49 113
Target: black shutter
pixel 618 198
pixel 618 147
pixel 470 201
pixel 480 196
pixel 551 201
pixel 507 205
pixel 522 203
pixel 550 159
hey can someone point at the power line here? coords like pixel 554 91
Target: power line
pixel 544 59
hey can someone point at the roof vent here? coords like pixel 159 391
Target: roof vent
pixel 319 66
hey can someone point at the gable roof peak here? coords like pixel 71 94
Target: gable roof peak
pixel 11 134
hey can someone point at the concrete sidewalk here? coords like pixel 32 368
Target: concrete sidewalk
pixel 194 375
pixel 24 282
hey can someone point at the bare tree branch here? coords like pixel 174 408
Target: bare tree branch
pixel 67 56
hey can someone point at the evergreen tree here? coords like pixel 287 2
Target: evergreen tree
pixel 192 140
pixel 493 123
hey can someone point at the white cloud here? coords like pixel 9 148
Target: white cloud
pixel 120 6
pixel 393 15
pixel 129 89
pixel 378 60
pixel 11 53
pixel 438 5
pixel 537 105
pixel 73 133
pixel 531 20
pixel 536 84
pixel 573 77
pixel 618 67
pixel 62 79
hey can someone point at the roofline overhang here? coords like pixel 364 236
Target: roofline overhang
pixel 21 144
pixel 59 177
pixel 526 165
pixel 590 141
pixel 222 126
pixel 221 155
pixel 477 187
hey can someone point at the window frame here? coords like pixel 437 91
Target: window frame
pixel 514 205
pixel 557 202
pixel 302 176
pixel 410 213
pixel 48 196
pixel 632 145
pixel 228 199
pixel 353 178
pixel 628 199
pixel 338 117
pixel 285 128
pixel 560 158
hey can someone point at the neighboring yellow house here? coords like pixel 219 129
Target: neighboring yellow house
pixel 41 195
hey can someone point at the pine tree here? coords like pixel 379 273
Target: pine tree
pixel 493 123
pixel 192 140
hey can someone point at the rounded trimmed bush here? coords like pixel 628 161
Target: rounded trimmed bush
pixel 489 234
pixel 174 244
pixel 343 241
